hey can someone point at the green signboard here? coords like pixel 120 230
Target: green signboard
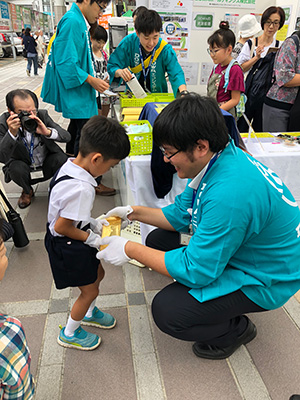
pixel 203 21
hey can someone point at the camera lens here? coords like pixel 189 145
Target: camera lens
pixel 29 124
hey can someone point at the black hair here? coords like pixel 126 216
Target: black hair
pixel 139 10
pixel 99 33
pixel 27 32
pixel 223 37
pixel 188 119
pixel 106 136
pixel 272 10
pixel 147 22
pixel 23 94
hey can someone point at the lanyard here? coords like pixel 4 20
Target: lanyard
pixel 146 71
pixel 30 149
pixel 210 164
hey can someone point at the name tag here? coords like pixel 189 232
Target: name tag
pixel 185 238
pixel 36 174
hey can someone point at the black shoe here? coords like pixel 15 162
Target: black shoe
pixel 219 353
pixel 295 397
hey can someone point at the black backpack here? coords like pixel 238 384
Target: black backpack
pixel 259 78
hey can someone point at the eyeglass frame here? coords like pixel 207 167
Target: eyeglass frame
pixel 274 23
pixel 164 153
pixel 34 111
pixel 213 52
pixel 102 9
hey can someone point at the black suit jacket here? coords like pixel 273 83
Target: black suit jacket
pixel 11 149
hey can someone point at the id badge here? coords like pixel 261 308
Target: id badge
pixel 36 174
pixel 185 238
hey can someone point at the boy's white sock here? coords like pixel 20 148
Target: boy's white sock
pixel 71 326
pixel 89 312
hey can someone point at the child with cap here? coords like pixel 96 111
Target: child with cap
pixel 73 237
pixel 248 27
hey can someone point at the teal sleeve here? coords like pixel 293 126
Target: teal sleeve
pixel 173 68
pixel 69 49
pixel 119 59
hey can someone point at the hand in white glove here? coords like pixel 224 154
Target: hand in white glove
pixel 96 225
pixel 93 240
pixel 121 212
pixel 114 253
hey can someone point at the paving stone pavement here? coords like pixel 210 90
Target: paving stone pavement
pixel 135 360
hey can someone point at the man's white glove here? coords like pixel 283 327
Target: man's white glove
pixel 121 212
pixel 93 239
pixel 96 225
pixel 114 253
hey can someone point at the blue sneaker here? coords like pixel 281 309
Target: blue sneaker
pixel 100 319
pixel 81 340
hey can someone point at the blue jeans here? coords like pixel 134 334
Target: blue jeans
pixel 33 60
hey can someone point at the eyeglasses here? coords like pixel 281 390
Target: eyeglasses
pixel 34 111
pixel 164 153
pixel 102 9
pixel 212 52
pixel 274 23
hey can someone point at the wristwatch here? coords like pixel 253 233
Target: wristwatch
pixel 184 93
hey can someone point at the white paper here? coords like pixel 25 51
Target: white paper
pixel 191 71
pixel 136 88
pixel 206 69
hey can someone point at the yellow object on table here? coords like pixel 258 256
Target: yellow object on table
pixel 131 113
pixel 113 229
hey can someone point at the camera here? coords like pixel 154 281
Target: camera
pixel 28 124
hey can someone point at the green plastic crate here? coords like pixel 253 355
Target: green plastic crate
pixel 140 143
pixel 163 97
pixel 126 101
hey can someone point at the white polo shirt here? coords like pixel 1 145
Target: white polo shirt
pixel 72 198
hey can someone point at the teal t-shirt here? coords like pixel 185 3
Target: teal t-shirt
pixel 246 228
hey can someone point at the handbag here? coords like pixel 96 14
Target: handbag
pixel 24 53
pixel 20 238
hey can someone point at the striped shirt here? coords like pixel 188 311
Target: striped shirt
pixel 16 381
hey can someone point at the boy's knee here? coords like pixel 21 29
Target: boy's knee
pixel 101 272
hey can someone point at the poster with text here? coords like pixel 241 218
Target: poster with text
pixel 232 20
pixel 16 17
pixel 176 18
pixel 5 24
pixel 191 71
pixel 226 3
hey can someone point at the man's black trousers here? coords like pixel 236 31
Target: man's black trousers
pixel 216 322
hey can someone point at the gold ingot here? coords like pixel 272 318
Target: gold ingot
pixel 113 229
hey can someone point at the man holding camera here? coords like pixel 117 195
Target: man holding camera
pixel 27 143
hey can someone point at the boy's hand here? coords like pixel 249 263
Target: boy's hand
pixel 125 74
pixel 114 253
pixel 97 224
pixel 121 212
pixel 93 240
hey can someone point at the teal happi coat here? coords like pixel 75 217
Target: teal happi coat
pixel 70 63
pixel 127 54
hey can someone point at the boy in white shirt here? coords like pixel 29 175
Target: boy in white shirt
pixel 73 237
